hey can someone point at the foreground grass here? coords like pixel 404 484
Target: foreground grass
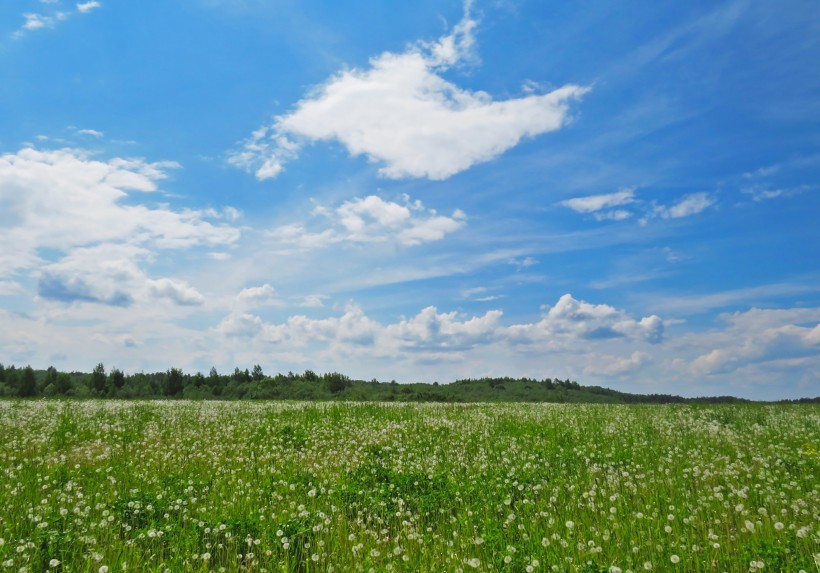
pixel 209 486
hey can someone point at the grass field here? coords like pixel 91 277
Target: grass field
pixel 101 486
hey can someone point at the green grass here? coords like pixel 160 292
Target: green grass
pixel 290 486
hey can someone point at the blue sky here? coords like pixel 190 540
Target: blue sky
pixel 622 195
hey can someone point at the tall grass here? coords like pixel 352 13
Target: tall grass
pixel 194 486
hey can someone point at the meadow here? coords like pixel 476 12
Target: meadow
pixel 105 486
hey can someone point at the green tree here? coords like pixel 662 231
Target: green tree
pixel 27 385
pixel 98 379
pixel 337 382
pixel 173 382
pixel 257 373
pixel 62 385
pixel 117 378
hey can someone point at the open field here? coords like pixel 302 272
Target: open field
pixel 102 486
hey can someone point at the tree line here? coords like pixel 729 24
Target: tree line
pixel 27 382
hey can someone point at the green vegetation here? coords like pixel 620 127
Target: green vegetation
pixel 102 485
pixel 245 384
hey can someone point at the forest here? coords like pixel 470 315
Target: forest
pixel 254 384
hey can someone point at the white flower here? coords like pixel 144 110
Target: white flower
pixel 103 569
pixel 674 559
pixel 474 562
pixel 648 565
pixel 54 563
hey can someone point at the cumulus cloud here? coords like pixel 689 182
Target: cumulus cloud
pixel 252 297
pixel 110 274
pixel 572 318
pixel 609 365
pixel 65 221
pixel 761 336
pixel 372 219
pixel 62 199
pixel 402 114
pixel 431 335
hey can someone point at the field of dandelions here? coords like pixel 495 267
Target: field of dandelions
pixel 237 486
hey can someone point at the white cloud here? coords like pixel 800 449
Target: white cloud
pixel 91 132
pixel 84 7
pixel 689 205
pixel 601 206
pixel 372 219
pixel 64 221
pixel 574 319
pixel 110 274
pixel 63 199
pixel 609 365
pixel 761 336
pixel 34 21
pixel 593 203
pixel 177 291
pixel 431 335
pixel 8 288
pixel 400 112
pixel 257 296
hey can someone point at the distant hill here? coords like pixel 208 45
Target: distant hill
pixel 256 385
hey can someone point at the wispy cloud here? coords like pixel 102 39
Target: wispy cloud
pixel 84 7
pixel 38 21
pixel 594 203
pixel 91 132
pixel 401 113
pixel 686 207
pixel 601 206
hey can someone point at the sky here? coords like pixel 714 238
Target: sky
pixel 624 194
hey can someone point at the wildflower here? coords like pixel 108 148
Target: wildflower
pixel 474 562
pixel 570 524
pixel 103 569
pixel 54 563
pixel 675 559
pixel 648 565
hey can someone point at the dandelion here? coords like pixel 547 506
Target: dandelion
pixel 675 559
pixel 647 565
pixel 53 563
pixel 473 562
pixel 103 569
